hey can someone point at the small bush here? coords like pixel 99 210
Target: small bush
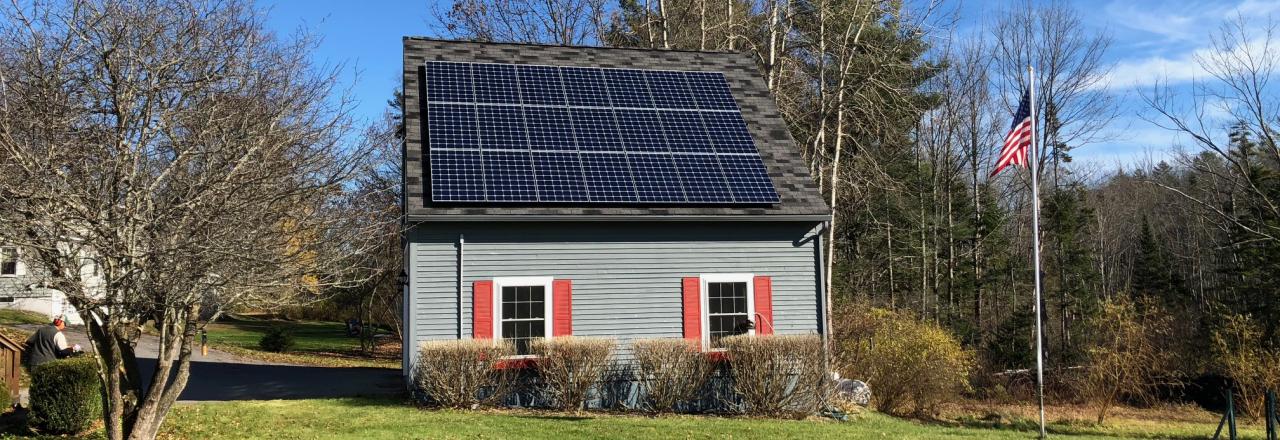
pixel 778 375
pixel 277 339
pixel 914 366
pixel 671 371
pixel 66 395
pixel 1125 355
pixel 571 366
pixel 1240 352
pixel 463 373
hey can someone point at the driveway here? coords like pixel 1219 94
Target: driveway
pixel 223 376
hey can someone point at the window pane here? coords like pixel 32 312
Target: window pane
pixel 726 325
pixel 8 261
pixel 537 302
pixel 523 313
pixel 713 305
pixel 727 310
pixel 726 298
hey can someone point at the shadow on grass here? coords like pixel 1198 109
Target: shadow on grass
pixel 554 417
pixel 224 381
pixel 1062 428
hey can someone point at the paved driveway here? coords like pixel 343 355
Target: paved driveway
pixel 225 376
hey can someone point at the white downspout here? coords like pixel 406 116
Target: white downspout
pixel 461 253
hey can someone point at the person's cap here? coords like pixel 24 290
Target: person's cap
pixel 57 322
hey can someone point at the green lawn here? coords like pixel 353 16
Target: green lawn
pixel 317 343
pixel 14 316
pixel 392 419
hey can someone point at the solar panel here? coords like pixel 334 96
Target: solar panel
pixel 540 85
pixel 559 177
pixel 545 134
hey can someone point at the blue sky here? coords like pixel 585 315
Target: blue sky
pixel 1152 40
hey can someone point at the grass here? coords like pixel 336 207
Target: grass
pixel 317 343
pixel 15 316
pixel 394 419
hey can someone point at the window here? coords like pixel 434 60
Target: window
pixel 729 304
pixel 524 310
pixel 6 299
pixel 8 261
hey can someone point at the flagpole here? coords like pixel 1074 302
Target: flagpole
pixel 1035 234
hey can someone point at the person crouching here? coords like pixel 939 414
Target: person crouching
pixel 48 344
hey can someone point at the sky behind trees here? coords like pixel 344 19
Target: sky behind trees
pixel 1153 40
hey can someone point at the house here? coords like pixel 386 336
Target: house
pixel 22 288
pixel 622 193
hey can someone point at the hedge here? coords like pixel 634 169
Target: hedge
pixel 66 395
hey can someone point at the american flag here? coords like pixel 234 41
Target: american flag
pixel 1018 141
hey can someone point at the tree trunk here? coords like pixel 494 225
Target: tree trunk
pixel 662 12
pixel 728 19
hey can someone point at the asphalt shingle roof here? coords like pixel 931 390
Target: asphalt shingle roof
pixel 800 198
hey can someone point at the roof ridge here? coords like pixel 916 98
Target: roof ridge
pixel 570 46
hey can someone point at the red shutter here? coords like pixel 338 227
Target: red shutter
pixel 482 310
pixel 764 305
pixel 692 300
pixel 562 307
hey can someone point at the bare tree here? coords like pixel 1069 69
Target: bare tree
pixel 1070 74
pixel 1237 95
pixel 567 22
pixel 194 156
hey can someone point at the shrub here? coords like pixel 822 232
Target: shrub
pixel 1125 355
pixel 570 366
pixel 913 366
pixel 670 370
pixel 1240 352
pixel 277 339
pixel 463 373
pixel 778 375
pixel 66 395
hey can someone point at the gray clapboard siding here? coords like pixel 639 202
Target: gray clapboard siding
pixel 626 276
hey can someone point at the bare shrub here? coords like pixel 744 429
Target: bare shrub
pixel 670 370
pixel 778 375
pixel 463 373
pixel 571 366
pixel 1126 355
pixel 912 366
pixel 1241 353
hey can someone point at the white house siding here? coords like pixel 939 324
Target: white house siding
pixel 626 276
pixel 26 291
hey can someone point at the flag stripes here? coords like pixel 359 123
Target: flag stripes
pixel 1018 141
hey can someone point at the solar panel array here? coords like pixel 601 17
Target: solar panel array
pixel 529 133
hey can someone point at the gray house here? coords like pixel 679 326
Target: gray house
pixel 22 287
pixel 621 193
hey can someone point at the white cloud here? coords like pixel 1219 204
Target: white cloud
pixel 1161 21
pixel 1176 27
pixel 1255 8
pixel 1147 71
pixel 1178 69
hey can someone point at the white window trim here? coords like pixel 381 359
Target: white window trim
pixel 706 309
pixel 499 283
pixel 19 269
